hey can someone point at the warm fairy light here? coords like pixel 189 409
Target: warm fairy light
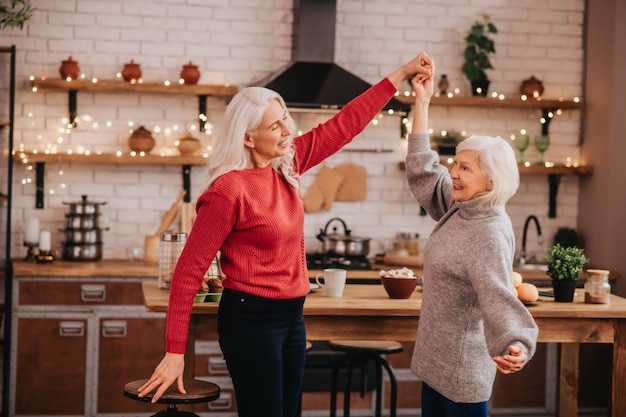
pixel 494 94
pixel 374 122
pixel 524 98
pixel 83 76
pixel 568 161
pixel 34 89
pixel 479 90
pixel 118 153
pixel 131 124
pixel 576 99
pixel 527 164
pixel 181 81
pixel 31 78
pixel 109 123
pixel 94 80
pixel 166 83
pixel 390 112
pixel 118 75
pixel 68 79
pixel 501 97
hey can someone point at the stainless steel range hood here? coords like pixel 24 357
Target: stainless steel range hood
pixel 312 80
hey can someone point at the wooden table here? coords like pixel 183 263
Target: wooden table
pixel 365 312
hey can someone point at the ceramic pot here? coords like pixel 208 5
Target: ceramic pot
pixel 141 140
pixel 69 69
pixel 531 87
pixel 190 74
pixel 480 87
pixel 188 145
pixel 564 290
pixel 131 72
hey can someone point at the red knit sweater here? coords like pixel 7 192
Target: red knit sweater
pixel 257 220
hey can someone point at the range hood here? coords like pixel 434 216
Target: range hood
pixel 312 80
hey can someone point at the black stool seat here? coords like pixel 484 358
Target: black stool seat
pixel 358 354
pixel 197 392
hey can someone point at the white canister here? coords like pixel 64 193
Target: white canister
pixel 170 247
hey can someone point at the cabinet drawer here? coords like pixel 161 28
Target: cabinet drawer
pixel 80 293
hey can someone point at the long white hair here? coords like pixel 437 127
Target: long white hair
pixel 243 114
pixel 497 161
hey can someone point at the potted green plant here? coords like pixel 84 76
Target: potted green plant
pixel 478 48
pixel 564 267
pixel 14 13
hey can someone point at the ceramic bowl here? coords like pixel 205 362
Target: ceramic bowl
pixel 399 288
pixel 213 297
pixel 199 298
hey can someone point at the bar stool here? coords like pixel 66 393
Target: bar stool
pixel 197 392
pixel 358 355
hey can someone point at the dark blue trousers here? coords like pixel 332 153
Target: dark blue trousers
pixel 436 405
pixel 264 345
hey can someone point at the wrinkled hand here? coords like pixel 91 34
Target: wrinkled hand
pixel 422 64
pixel 514 362
pixel 170 369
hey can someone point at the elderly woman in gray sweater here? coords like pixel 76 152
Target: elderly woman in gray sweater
pixel 471 324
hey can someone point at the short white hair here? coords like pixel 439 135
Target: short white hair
pixel 498 162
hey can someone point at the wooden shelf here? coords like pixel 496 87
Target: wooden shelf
pixel 479 101
pixel 532 169
pixel 125 159
pixel 4 124
pixel 123 86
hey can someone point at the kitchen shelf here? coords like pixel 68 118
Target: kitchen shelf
pixel 73 86
pixel 40 159
pixel 479 101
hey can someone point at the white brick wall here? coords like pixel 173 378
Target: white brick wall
pixel 239 43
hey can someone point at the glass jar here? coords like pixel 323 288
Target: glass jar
pixel 170 247
pixel 597 287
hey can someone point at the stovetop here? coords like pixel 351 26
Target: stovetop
pixel 329 260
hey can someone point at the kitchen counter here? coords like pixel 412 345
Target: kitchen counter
pixel 365 312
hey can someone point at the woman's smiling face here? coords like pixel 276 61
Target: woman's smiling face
pixel 271 138
pixel 468 180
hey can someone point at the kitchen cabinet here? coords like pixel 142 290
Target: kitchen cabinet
pixel 77 341
pixel 547 107
pixel 75 86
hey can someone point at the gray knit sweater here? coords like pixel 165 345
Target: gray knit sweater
pixel 469 310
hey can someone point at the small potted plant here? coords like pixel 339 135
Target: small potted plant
pixel 445 141
pixel 564 267
pixel 478 48
pixel 14 13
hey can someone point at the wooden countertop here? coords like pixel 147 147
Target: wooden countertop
pixel 127 268
pixel 372 300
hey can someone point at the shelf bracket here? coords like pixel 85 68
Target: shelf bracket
pixel 553 180
pixel 201 113
pixel 545 113
pixel 187 183
pixel 39 184
pixel 72 103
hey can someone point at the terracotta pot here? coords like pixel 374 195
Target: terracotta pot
pixel 190 74
pixel 69 69
pixel 188 145
pixel 141 140
pixel 531 87
pixel 131 71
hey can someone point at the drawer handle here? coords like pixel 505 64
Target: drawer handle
pixel 72 328
pixel 114 328
pixel 217 366
pixel 224 402
pixel 93 293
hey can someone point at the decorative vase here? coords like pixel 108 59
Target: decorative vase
pixel 69 69
pixel 188 145
pixel 141 140
pixel 443 85
pixel 131 72
pixel 531 87
pixel 480 87
pixel 564 290
pixel 190 74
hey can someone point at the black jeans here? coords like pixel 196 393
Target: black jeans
pixel 264 345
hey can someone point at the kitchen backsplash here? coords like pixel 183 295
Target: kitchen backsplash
pixel 240 43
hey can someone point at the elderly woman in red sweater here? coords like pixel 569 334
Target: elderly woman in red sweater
pixel 251 211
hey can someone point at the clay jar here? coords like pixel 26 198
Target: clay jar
pixel 188 145
pixel 531 87
pixel 131 71
pixel 69 69
pixel 190 74
pixel 141 140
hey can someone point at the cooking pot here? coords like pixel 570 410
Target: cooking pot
pixel 84 206
pixel 75 236
pixel 82 221
pixel 345 244
pixel 82 251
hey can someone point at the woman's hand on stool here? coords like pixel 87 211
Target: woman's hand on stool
pixel 170 369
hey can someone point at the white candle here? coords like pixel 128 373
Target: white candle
pixel 44 241
pixel 32 231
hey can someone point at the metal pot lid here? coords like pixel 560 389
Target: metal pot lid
pixel 83 201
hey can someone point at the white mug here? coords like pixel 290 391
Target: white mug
pixel 334 281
